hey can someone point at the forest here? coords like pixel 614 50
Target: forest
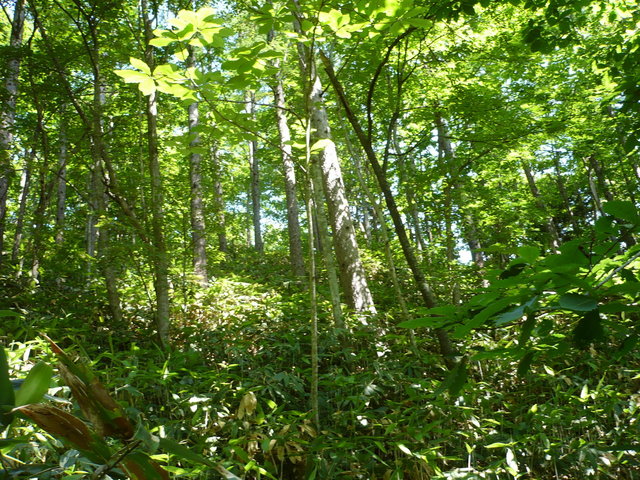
pixel 319 239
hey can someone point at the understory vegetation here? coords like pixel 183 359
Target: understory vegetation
pixel 539 393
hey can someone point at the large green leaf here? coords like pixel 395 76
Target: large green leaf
pixel 517 312
pixel 529 253
pixel 577 303
pixel 183 452
pixel 7 396
pixel 35 385
pixel 624 210
pixel 132 76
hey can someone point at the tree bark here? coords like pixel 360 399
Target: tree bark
pixel 446 348
pixel 160 257
pixel 218 199
pixel 322 229
pixel 25 184
pixel 8 112
pixel 254 167
pixel 352 274
pixel 563 195
pixel 62 180
pixel 550 225
pixel 293 224
pixel 45 186
pixel 198 226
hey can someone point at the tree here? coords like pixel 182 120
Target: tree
pixel 7 117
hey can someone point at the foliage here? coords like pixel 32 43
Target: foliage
pixel 507 133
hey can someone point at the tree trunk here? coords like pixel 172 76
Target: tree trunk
pixel 255 179
pixel 550 225
pixel 198 227
pixel 451 183
pixel 62 181
pixel 563 195
pixel 322 229
pixel 352 274
pixel 218 199
pixel 313 300
pixel 160 257
pixel 45 187
pixel 446 348
pixel 25 184
pixel 293 224
pixel 99 153
pixel 8 112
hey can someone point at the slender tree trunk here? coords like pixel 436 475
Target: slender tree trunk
pixel 293 224
pixel 451 183
pixel 255 178
pixel 218 199
pixel 406 170
pixel 386 238
pixel 160 257
pixel 596 167
pixel 91 229
pixel 45 187
pixel 8 111
pixel 446 348
pixel 322 229
pixel 550 225
pixel 198 227
pixel 352 274
pixel 99 159
pixel 313 300
pixel 62 181
pixel 25 184
pixel 104 250
pixel 563 195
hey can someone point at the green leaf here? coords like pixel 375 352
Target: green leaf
pixel 321 144
pixel 132 76
pixel 516 313
pixel 140 65
pixel 439 316
pixel 7 396
pixel 456 379
pixel 420 22
pixel 623 210
pixel 147 86
pixel 162 41
pixel 498 445
pixel 529 253
pixel 577 303
pixel 35 385
pixel 183 452
pixel 527 328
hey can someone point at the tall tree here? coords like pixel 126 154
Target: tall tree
pixel 254 168
pixel 352 274
pixel 160 256
pixel 198 226
pixel 293 223
pixel 8 112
